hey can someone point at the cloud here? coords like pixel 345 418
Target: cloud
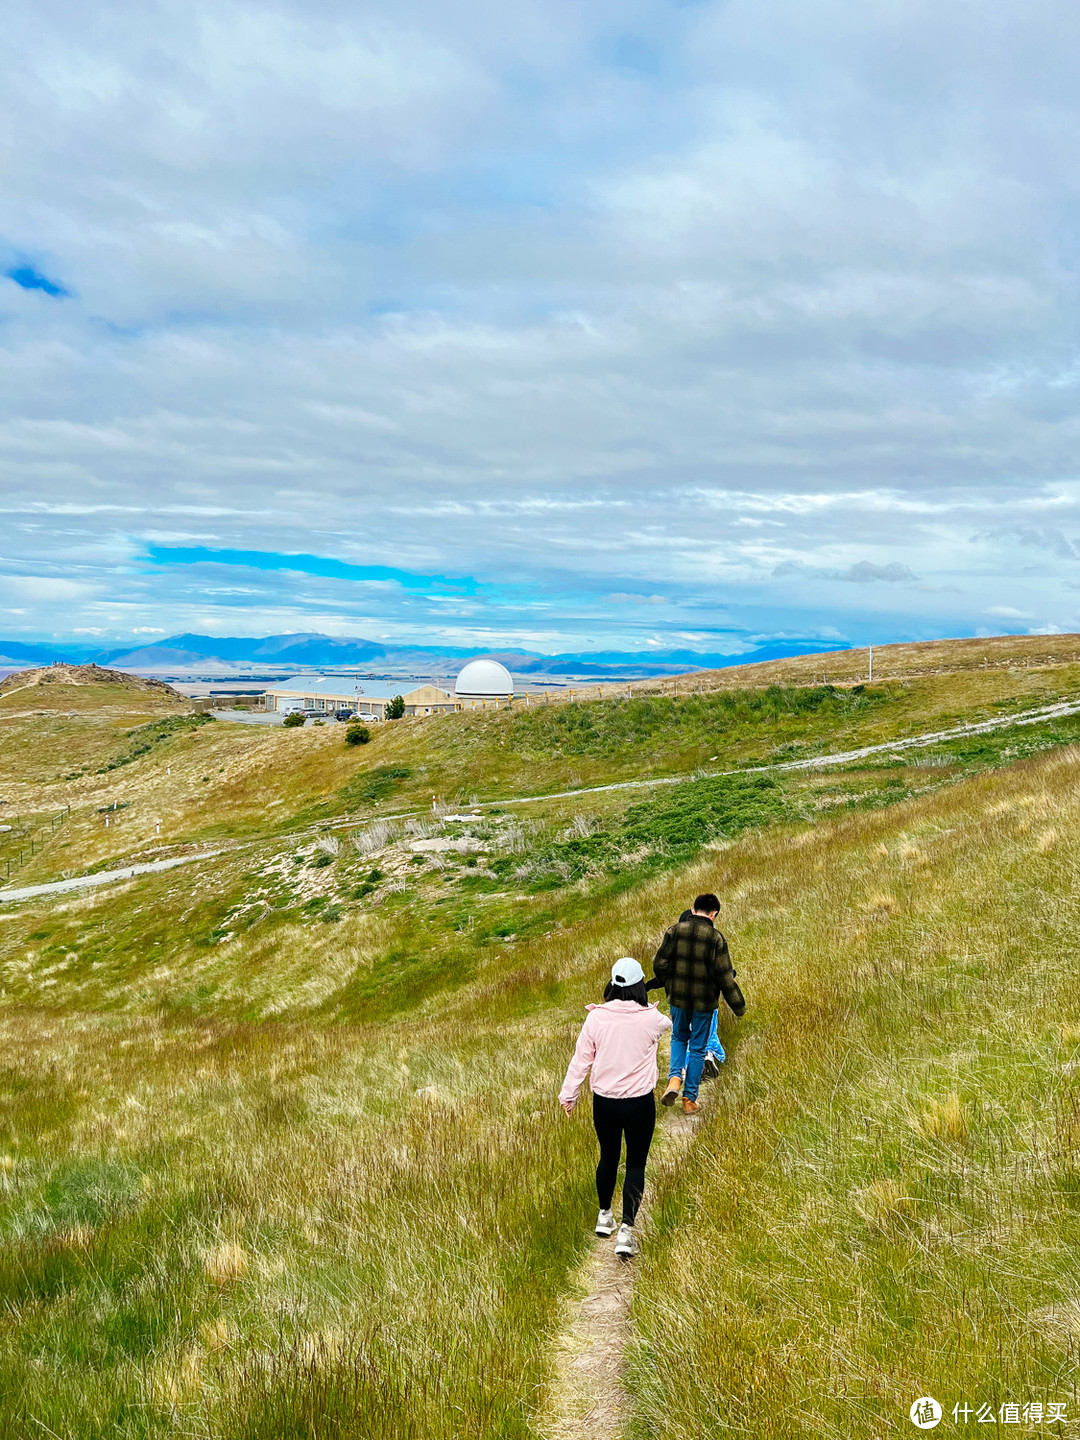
pixel 865 573
pixel 1033 537
pixel 1007 612
pixel 42 589
pixel 577 302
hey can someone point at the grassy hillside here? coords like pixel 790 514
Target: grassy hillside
pixel 184 784
pixel 884 1206
pixel 278 1148
pixel 908 661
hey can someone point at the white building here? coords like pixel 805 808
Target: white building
pixel 330 693
pixel 483 683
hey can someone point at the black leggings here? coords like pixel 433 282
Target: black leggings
pixel 637 1118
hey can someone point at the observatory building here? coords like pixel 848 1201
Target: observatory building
pixel 482 683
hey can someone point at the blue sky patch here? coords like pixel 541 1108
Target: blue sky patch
pixel 320 565
pixel 31 278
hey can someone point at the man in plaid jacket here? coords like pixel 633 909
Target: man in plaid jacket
pixel 695 968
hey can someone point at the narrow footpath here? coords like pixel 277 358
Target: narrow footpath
pixel 586 1398
pixel 103 877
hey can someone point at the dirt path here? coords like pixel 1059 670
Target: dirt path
pixel 586 1400
pixel 103 877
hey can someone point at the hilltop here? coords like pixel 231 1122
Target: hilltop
pixel 81 675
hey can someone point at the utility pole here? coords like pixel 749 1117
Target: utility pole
pixel 871 674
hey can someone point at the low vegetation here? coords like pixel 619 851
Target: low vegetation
pixel 883 1205
pixel 143 738
pixel 278 1149
pixel 612 727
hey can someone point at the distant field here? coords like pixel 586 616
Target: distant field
pixel 279 1155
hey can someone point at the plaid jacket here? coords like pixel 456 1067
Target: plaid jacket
pixel 694 964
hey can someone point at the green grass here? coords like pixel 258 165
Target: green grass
pixel 615 728
pixel 279 1153
pixel 144 738
pixel 882 1206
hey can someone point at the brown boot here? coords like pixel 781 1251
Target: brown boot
pixel 690 1107
pixel 671 1094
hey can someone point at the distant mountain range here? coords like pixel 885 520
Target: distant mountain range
pixel 313 651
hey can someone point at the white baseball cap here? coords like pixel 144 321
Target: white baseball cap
pixel 626 972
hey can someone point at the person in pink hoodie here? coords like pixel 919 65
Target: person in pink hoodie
pixel 618 1045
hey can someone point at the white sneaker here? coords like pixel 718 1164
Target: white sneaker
pixel 624 1241
pixel 712 1067
pixel 605 1223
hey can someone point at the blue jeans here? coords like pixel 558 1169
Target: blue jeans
pixel 689 1041
pixel 714 1047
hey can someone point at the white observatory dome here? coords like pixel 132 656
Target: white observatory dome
pixel 484 679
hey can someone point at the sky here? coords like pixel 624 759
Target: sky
pixel 656 324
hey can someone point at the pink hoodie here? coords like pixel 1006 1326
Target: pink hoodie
pixel 618 1040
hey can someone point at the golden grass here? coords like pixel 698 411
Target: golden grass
pixel 243 1217
pixel 945 1120
pixel 1007 653
pixel 882 1202
pixel 225 1264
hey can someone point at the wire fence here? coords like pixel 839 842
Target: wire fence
pixel 27 839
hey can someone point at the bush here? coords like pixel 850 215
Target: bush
pixel 396 709
pixel 144 737
pixel 292 721
pixel 357 735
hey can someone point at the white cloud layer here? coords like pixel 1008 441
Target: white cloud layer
pixel 717 308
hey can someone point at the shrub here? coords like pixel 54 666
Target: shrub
pixel 293 720
pixel 396 709
pixel 143 738
pixel 357 735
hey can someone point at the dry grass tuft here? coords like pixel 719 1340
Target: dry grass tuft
pixel 375 837
pixel 216 1335
pixel 226 1264
pixel 884 1203
pixel 77 1237
pixel 945 1120
pixel 176 1384
pixel 1047 841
